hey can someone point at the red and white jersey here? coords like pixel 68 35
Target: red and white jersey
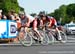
pixel 52 21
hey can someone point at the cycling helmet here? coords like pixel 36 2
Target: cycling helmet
pixel 50 17
pixel 36 16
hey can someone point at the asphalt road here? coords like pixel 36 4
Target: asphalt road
pixel 56 48
pixel 68 48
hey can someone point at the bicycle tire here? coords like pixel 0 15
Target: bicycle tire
pixel 63 36
pixel 45 38
pixel 51 37
pixel 27 40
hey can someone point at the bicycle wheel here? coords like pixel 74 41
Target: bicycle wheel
pixel 34 36
pixel 51 37
pixel 26 39
pixel 45 38
pixel 63 36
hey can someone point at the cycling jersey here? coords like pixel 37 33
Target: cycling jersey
pixel 35 23
pixel 24 21
pixel 52 22
pixel 27 20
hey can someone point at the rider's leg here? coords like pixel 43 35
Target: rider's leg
pixel 59 37
pixel 25 29
pixel 21 32
pixel 57 30
pixel 39 36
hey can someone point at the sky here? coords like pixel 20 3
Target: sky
pixel 35 6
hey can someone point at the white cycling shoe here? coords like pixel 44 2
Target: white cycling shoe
pixel 41 38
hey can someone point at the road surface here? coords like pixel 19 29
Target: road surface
pixel 56 48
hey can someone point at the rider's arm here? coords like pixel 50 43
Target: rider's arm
pixel 50 22
pixel 28 22
pixel 34 24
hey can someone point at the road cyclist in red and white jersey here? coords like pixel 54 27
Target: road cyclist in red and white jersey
pixel 52 23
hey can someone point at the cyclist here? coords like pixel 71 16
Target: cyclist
pixel 35 24
pixel 51 23
pixel 24 21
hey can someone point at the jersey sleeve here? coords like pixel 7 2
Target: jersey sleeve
pixel 50 22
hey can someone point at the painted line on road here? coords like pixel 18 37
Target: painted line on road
pixel 18 44
pixel 71 37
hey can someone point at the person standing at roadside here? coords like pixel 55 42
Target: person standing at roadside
pixel 0 14
pixel 4 17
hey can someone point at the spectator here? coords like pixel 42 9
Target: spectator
pixel 11 15
pixel 0 14
pixel 4 17
pixel 18 20
pixel 16 17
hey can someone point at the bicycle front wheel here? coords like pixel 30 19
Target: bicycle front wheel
pixel 51 37
pixel 63 36
pixel 45 37
pixel 26 40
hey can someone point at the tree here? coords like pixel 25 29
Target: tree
pixel 63 15
pixel 51 14
pixel 8 5
pixel 62 10
pixel 57 14
pixel 71 11
pixel 66 12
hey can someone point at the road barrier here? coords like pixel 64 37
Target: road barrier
pixel 8 29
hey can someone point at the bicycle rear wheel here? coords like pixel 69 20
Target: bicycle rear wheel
pixel 26 40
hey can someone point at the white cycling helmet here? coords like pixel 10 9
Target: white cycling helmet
pixel 50 17
pixel 36 16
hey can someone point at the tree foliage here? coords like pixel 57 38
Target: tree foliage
pixel 66 12
pixel 8 5
pixel 71 10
